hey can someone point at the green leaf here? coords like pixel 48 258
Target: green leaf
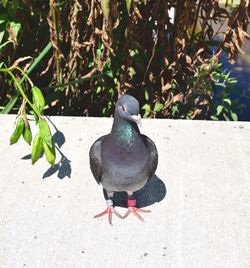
pixel 98 90
pixel 38 98
pixel 213 117
pixel 128 4
pixel 98 53
pixel 234 116
pixel 27 135
pixel 1 36
pixel 147 109
pixel 173 85
pixel 158 107
pixel 146 94
pixel 18 131
pixel 110 74
pixel 216 76
pixel 111 92
pixel 175 108
pixel 234 3
pixel 50 152
pixel 45 132
pixel 105 8
pixel 219 109
pixel 232 81
pixel 44 128
pixel 15 27
pixel 4 2
pixel 48 140
pixel 37 147
pixel 228 101
pixel 133 52
pixel 131 72
pixel 91 64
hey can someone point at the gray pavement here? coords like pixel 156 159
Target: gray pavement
pixel 199 200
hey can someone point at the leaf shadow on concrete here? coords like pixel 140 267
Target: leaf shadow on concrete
pixel 154 191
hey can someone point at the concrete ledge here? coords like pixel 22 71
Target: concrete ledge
pixel 199 200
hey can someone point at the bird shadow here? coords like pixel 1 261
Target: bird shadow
pixel 154 191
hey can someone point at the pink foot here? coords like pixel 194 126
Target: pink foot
pixel 109 210
pixel 133 209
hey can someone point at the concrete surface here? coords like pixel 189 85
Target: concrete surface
pixel 199 200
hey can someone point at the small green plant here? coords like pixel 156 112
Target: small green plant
pixel 224 105
pixel 43 140
pixel 214 88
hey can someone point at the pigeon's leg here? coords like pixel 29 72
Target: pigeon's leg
pixel 133 209
pixel 110 209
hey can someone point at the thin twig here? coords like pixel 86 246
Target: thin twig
pixel 151 58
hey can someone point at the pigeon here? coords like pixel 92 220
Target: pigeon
pixel 123 160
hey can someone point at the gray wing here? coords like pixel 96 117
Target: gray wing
pixel 153 161
pixel 95 160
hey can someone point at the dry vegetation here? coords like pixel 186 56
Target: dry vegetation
pixel 136 47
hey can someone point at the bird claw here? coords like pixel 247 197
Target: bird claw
pixel 109 210
pixel 135 211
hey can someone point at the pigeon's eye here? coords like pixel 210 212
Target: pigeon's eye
pixel 123 108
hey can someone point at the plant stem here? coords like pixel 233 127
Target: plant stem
pixel 20 89
pixel 23 73
pixel 78 81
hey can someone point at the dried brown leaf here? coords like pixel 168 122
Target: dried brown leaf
pixel 166 87
pixel 243 36
pixel 177 97
pixel 137 12
pixel 188 60
pixel 16 62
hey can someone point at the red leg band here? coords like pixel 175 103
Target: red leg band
pixel 131 202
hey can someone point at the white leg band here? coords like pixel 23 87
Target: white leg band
pixel 109 202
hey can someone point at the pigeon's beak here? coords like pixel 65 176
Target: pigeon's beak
pixel 137 119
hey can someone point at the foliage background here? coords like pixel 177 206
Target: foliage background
pixel 172 66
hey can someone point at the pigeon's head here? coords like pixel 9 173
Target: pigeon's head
pixel 127 108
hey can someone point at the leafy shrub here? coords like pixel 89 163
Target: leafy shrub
pixel 102 49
